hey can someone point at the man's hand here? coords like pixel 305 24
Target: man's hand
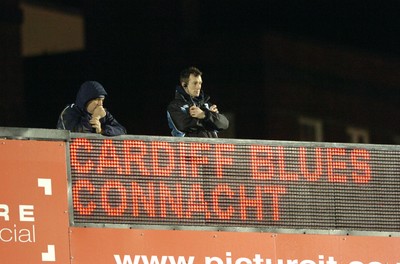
pixel 99 112
pixel 196 112
pixel 214 108
pixel 95 122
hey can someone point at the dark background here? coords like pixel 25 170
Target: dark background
pixel 136 49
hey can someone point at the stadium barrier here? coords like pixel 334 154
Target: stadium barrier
pixel 84 198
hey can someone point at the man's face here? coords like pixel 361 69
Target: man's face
pixel 92 104
pixel 194 85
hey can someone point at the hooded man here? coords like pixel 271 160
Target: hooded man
pixel 191 114
pixel 87 115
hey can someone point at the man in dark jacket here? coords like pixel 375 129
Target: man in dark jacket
pixel 87 115
pixel 191 114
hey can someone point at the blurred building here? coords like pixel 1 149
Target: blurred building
pixel 53 48
pixel 271 82
pixel 322 93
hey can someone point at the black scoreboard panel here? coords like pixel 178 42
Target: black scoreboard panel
pixel 158 181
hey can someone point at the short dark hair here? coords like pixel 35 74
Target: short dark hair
pixel 185 74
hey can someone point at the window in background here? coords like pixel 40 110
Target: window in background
pixel 310 129
pixel 357 135
pixel 49 31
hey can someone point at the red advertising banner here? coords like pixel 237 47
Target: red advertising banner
pixel 122 246
pixel 148 200
pixel 33 202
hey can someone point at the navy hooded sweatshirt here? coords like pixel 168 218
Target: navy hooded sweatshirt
pixel 76 118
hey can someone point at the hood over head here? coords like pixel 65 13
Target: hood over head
pixel 89 90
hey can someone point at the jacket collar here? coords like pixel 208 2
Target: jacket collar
pixel 180 93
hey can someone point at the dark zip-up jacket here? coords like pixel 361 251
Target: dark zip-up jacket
pixel 75 117
pixel 185 125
